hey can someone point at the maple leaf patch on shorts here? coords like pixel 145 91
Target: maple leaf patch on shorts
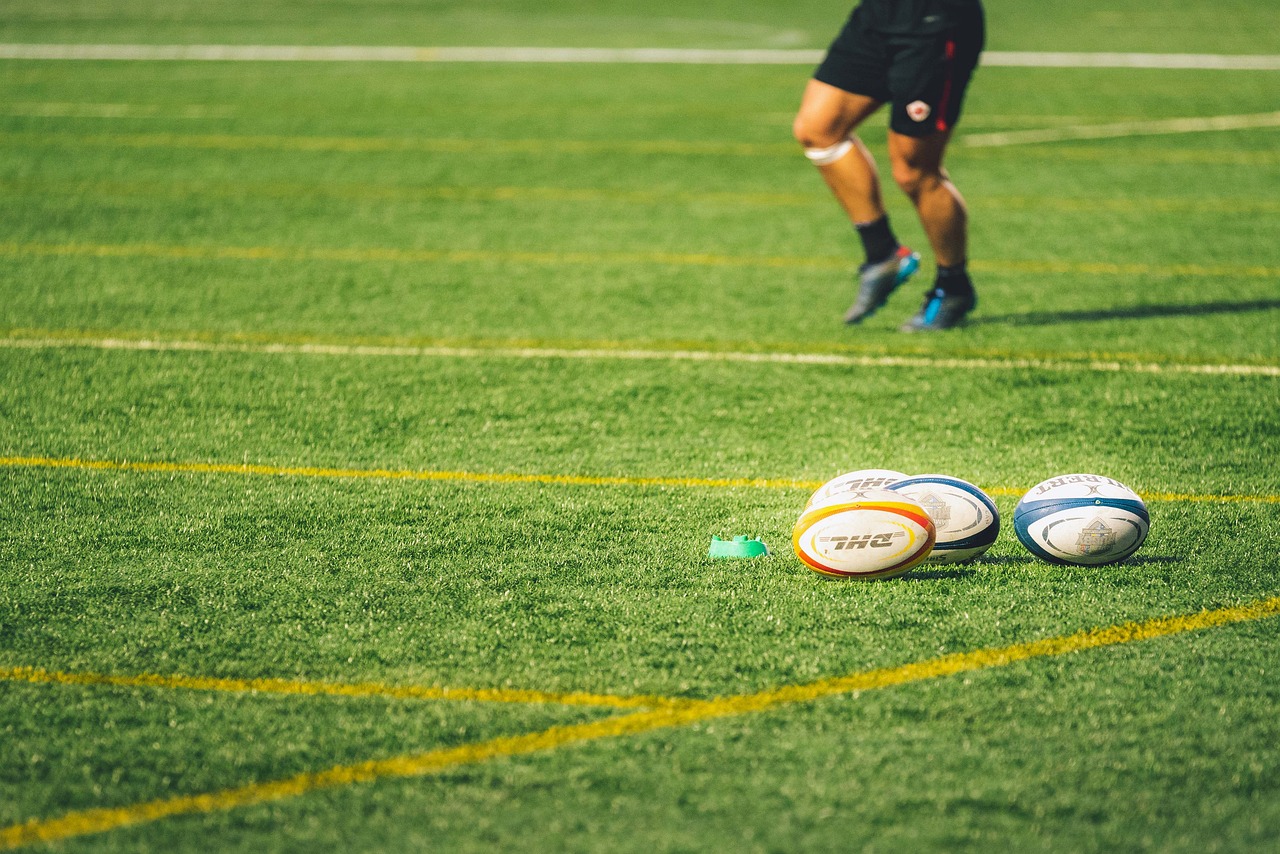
pixel 918 111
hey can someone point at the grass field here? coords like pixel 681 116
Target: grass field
pixel 365 425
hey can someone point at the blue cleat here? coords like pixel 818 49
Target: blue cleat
pixel 941 311
pixel 877 281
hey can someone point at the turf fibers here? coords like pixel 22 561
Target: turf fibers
pixel 394 269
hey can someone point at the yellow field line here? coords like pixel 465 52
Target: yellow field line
pixel 101 820
pixel 36 675
pixel 1108 268
pixel 396 145
pixel 411 256
pixel 161 466
pixel 1215 156
pixel 1140 204
pixel 403 474
pixel 695 259
pixel 473 193
pixel 490 146
pixel 410 193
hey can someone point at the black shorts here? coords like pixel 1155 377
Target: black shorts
pixel 921 66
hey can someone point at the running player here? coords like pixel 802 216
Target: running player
pixel 917 56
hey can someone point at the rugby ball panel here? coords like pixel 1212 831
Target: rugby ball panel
pixel 1082 532
pixel 877 535
pixel 1079 486
pixel 967 520
pixel 852 482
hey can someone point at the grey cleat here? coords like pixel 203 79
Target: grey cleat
pixel 941 311
pixel 877 281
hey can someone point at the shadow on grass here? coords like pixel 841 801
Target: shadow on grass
pixel 1005 560
pixel 933 574
pixel 1152 559
pixel 969 570
pixel 1030 560
pixel 1136 312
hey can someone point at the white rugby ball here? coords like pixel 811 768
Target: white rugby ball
pixel 1081 519
pixel 967 520
pixel 854 481
pixel 875 534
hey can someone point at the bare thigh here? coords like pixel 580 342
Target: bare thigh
pixel 828 115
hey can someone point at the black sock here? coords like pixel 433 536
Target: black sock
pixel 877 239
pixel 954 281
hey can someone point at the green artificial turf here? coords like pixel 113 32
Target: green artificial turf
pixel 514 513
pixel 1228 26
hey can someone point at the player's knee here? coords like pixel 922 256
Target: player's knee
pixel 916 164
pixel 907 178
pixel 802 130
pixel 822 144
pixel 913 179
pixel 812 131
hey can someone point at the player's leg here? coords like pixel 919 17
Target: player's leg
pixel 918 171
pixel 846 88
pixel 825 126
pixel 929 78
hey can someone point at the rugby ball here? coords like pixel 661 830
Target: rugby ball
pixel 966 518
pixel 854 481
pixel 1081 520
pixel 870 534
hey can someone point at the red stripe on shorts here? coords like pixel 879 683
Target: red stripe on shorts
pixel 946 87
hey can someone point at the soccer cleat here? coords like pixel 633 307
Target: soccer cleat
pixel 877 281
pixel 941 310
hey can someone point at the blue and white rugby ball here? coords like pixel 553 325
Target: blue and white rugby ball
pixel 966 518
pixel 1082 520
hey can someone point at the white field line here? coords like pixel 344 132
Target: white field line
pixel 1164 61
pixel 684 56
pixel 115 111
pixel 1122 129
pixel 728 356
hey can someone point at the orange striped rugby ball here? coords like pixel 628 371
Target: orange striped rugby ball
pixel 873 533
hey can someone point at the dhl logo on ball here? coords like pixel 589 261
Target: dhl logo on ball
pixel 870 534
